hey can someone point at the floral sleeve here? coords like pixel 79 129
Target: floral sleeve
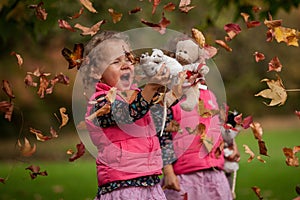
pixel 122 112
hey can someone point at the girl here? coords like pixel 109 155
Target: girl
pixel 129 156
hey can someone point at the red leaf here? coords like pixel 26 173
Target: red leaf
pixel 223 44
pixel 252 24
pixel 297 113
pixel 160 27
pixel 275 65
pixel 154 6
pixel 232 30
pixel 259 56
pixel 169 7
pixel 135 10
pixel 76 15
pixel 80 151
pixel 35 171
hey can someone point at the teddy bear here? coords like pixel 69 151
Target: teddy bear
pixel 192 57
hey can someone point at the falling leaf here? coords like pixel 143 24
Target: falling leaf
pixel 44 83
pixel 39 135
pixel 262 148
pixel 74 57
pixel 257 192
pixel 35 171
pixel 199 37
pixel 253 24
pixel 6 87
pixel 259 56
pixel 245 16
pixel 81 125
pixel 160 27
pixel 88 5
pixel 287 35
pixel 19 58
pixel 26 149
pixel 53 132
pixel 184 6
pixel 77 15
pixel 297 113
pixel 223 44
pixel 64 117
pixel 8 113
pixel 154 5
pixel 80 152
pixel 232 30
pixel 198 130
pixel 276 92
pixel 173 126
pixel 116 17
pixel 29 81
pixel 135 10
pixel 250 152
pixel 169 7
pixel 90 31
pixel 102 111
pixel 70 151
pixel 275 65
pixel 63 24
pixel 272 23
pixel 291 158
pixel 39 11
pixel 111 95
pixel 257 130
pixel 260 159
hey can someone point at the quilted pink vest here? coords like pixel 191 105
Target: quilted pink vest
pixel 191 153
pixel 125 151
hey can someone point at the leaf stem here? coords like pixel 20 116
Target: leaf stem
pixel 293 90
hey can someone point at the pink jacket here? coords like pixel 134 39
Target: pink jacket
pixel 125 151
pixel 191 153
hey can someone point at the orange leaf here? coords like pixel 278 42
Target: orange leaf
pixel 77 15
pixel 90 31
pixel 223 44
pixel 19 58
pixel 257 192
pixel 169 7
pixel 65 25
pixel 64 117
pixel 116 17
pixel 6 87
pixel 257 130
pixel 199 37
pixel 74 57
pixel 39 135
pixel 291 158
pixel 88 5
pixel 287 35
pixel 250 152
pixel 43 86
pixel 102 111
pixel 26 149
pixel 154 5
pixel 173 126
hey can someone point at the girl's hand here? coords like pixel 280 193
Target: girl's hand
pixel 170 179
pixel 162 78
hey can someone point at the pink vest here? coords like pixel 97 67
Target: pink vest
pixel 125 151
pixel 191 153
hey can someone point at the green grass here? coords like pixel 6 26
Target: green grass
pixel 77 180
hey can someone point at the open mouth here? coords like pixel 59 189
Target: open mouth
pixel 125 77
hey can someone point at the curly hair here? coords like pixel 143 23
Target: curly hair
pixel 90 70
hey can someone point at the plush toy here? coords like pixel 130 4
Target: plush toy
pixel 151 64
pixel 192 57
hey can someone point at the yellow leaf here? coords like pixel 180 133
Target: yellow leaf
pixel 287 35
pixel 276 92
pixel 64 117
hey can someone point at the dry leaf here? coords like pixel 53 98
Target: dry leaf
pixel 287 35
pixel 128 95
pixel 111 95
pixel 28 80
pixel 232 30
pixel 6 87
pixel 291 158
pixel 88 5
pixel 135 10
pixel 252 24
pixel 65 25
pixel 39 11
pixel 64 117
pixel 90 31
pixel 169 7
pixel 259 56
pixel 260 159
pixel 275 65
pixel 250 152
pixel 102 111
pixel 204 112
pixel 74 57
pixel 154 5
pixel 26 149
pixel 199 37
pixel 257 192
pixel 80 152
pixel 44 83
pixel 160 27
pixel 173 126
pixel 35 171
pixel 77 15
pixel 19 58
pixel 276 92
pixel 223 44
pixel 262 148
pixel 272 23
pixel 257 130
pixel 184 6
pixel 39 135
pixel 116 17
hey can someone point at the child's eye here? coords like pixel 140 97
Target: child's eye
pixel 115 62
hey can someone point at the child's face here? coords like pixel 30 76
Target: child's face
pixel 120 71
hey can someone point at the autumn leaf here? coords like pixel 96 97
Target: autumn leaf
pixel 4 106
pixel 169 7
pixel 260 159
pixel 223 44
pixel 74 57
pixel 88 5
pixel 199 37
pixel 80 152
pixel 64 117
pixel 135 10
pixel 232 30
pixel 276 92
pixel 90 31
pixel 257 192
pixel 253 24
pixel 154 5
pixel 273 23
pixel 111 95
pixel 290 154
pixel 102 111
pixel 184 6
pixel 297 113
pixel 77 15
pixel 116 17
pixel 257 130
pixel 8 113
pixel 39 135
pixel 250 152
pixel 259 56
pixel 26 149
pixel 287 35
pixel 6 87
pixel 262 148
pixel 19 58
pixel 44 83
pixel 35 171
pixel 63 24
pixel 275 65
pixel 39 11
pixel 53 132
pixel 28 80
pixel 160 27
pixel 173 126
